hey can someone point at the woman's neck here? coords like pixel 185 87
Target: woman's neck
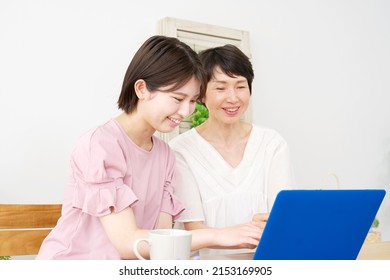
pixel 137 130
pixel 229 140
pixel 224 134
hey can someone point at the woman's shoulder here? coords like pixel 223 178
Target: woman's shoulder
pixel 267 134
pixel 183 139
pixel 106 134
pixel 264 129
pixel 99 144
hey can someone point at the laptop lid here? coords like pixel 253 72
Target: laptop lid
pixel 318 224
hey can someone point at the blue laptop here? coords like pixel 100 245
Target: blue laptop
pixel 318 224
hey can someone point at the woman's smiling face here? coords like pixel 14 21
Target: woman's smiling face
pixel 164 109
pixel 227 98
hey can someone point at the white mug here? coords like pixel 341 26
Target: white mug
pixel 166 244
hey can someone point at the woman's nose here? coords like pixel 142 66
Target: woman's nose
pixel 232 95
pixel 185 109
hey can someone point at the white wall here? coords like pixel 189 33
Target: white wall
pixel 322 72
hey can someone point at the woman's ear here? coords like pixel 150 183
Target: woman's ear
pixel 141 90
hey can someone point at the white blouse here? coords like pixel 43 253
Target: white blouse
pixel 221 195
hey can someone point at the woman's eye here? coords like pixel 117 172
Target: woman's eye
pixel 220 88
pixel 178 99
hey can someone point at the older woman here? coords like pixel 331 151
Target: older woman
pixel 228 171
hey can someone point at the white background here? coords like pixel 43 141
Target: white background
pixel 322 72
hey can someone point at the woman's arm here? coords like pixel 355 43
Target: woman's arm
pixel 164 220
pixel 122 230
pixel 236 237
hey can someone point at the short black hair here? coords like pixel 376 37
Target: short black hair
pixel 161 61
pixel 231 60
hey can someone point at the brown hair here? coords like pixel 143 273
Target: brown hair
pixel 231 60
pixel 161 61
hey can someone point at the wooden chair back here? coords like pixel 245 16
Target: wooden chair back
pixel 24 226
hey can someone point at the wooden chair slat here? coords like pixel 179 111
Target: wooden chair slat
pixel 21 242
pixel 23 227
pixel 29 215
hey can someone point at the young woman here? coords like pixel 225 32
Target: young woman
pixel 120 184
pixel 228 170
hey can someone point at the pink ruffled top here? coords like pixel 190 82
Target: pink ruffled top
pixel 109 170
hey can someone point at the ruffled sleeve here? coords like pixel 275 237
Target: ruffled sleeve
pixel 170 203
pixel 99 166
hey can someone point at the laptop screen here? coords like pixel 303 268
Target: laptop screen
pixel 318 224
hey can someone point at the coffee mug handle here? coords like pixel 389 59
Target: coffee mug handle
pixel 135 247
